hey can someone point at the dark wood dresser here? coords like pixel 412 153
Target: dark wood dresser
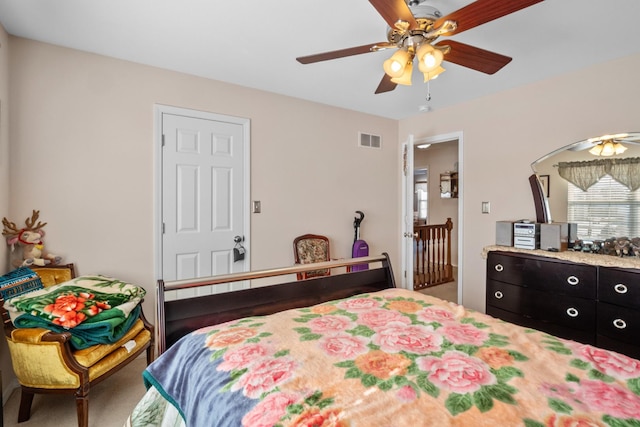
pixel 583 301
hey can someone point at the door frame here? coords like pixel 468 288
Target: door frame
pixel 158 111
pixel 408 181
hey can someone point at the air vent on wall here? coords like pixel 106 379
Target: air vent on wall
pixel 369 141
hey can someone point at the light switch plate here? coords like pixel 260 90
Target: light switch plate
pixel 257 206
pixel 486 207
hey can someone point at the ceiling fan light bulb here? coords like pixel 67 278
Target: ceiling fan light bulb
pixel 405 78
pixel 429 57
pixel 619 148
pixel 596 150
pixel 429 60
pixel 396 65
pixel 607 149
pixel 433 74
pixel 392 67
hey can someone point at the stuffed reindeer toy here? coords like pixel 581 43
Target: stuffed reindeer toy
pixel 30 238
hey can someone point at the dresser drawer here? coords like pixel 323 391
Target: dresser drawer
pixel 586 337
pixel 621 287
pixel 619 323
pixel 543 274
pixel 567 311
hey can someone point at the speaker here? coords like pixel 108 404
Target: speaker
pixel 504 233
pixel 573 233
pixel 554 235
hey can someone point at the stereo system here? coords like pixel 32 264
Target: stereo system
pixel 526 235
pixel 523 234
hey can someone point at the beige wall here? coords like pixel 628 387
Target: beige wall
pixel 5 362
pixel 83 154
pixel 504 133
pixel 4 137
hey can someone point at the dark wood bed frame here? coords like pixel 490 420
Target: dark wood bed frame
pixel 179 317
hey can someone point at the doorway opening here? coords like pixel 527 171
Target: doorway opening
pixel 435 169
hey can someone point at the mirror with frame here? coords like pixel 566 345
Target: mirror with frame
pixel 575 184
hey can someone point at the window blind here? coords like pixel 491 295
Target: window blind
pixel 607 209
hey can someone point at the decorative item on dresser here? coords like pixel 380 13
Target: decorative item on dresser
pixel 571 295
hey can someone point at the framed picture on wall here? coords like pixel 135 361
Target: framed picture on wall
pixel 544 181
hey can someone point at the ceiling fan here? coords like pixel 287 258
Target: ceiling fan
pixel 607 145
pixel 413 29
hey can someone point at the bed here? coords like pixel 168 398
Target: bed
pixel 351 349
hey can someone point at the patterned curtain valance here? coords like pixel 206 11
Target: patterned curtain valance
pixel 584 174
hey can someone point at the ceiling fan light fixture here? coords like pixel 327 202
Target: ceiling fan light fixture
pixel 405 78
pixel 433 74
pixel 596 150
pixel 608 148
pixel 619 148
pixel 397 64
pixel 429 57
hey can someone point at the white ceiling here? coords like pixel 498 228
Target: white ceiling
pixel 254 43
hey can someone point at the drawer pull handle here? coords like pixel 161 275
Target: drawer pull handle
pixel 572 312
pixel 499 267
pixel 619 323
pixel 573 280
pixel 620 288
pixel 498 295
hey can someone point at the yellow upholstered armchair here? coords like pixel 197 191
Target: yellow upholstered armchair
pixel 45 361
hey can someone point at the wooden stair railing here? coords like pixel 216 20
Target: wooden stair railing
pixel 432 255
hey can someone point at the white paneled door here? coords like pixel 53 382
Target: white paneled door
pixel 203 198
pixel 407 213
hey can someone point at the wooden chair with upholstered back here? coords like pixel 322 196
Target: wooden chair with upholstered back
pixel 310 248
pixel 45 362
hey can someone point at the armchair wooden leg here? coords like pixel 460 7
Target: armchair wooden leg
pixel 149 354
pixel 26 398
pixel 82 407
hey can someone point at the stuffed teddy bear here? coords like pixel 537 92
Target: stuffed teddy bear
pixel 30 238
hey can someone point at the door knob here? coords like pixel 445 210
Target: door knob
pixel 238 239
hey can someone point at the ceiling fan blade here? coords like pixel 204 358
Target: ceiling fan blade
pixel 474 57
pixel 386 85
pixel 482 11
pixel 393 11
pixel 338 53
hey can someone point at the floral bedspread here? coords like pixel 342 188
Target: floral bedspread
pixel 392 358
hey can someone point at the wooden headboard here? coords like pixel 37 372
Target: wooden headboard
pixel 179 317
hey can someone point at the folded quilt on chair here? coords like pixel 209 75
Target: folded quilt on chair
pixel 94 309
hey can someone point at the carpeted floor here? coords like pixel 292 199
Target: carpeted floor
pixel 446 291
pixel 110 402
